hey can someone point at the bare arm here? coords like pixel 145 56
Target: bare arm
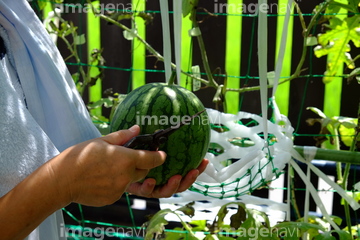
pixel 94 173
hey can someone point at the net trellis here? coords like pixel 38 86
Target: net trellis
pixel 249 178
pixel 242 169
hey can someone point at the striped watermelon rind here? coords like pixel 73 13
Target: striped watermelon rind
pixel 157 106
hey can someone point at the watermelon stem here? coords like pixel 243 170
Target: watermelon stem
pixel 211 80
pixel 172 78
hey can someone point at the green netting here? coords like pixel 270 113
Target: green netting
pixel 236 73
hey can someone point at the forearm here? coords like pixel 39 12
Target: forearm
pixel 93 173
pixel 29 203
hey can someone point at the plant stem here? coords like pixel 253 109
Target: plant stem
pixel 73 50
pixel 307 32
pixel 154 53
pixel 172 78
pixel 347 173
pixel 211 82
pixel 293 198
pixel 204 57
pixel 344 186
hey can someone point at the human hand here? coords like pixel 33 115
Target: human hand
pixel 99 171
pixel 174 185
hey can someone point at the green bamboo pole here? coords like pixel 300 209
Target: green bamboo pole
pixel 233 56
pixel 186 53
pixel 321 154
pixel 283 90
pixel 47 9
pixel 333 155
pixel 94 42
pixel 333 86
pixel 139 50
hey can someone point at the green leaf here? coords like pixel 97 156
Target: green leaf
pixel 106 102
pixel 42 4
pixel 238 218
pixel 211 237
pixel 187 209
pixel 187 6
pixel 347 135
pixel 325 236
pixel 79 39
pixel 354 73
pixel 335 7
pixel 343 235
pixel 221 237
pixel 337 220
pixel 252 220
pixel 218 223
pixel 220 216
pixel 76 77
pixel 335 43
pixel 66 29
pixel 199 225
pixel 311 41
pixel 176 233
pixel 297 229
pixel 156 225
pixel 347 122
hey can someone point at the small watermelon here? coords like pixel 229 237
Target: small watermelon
pixel 157 106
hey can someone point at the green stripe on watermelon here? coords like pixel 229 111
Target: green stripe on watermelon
pixel 167 104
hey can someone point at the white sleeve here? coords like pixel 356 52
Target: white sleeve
pixel 41 112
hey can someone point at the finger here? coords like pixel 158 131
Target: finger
pixel 188 180
pixel 169 188
pixel 148 159
pixel 203 166
pixel 144 189
pixel 122 136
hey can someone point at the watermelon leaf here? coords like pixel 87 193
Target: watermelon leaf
pixel 188 5
pixel 343 234
pixel 347 134
pixel 238 218
pixel 199 225
pixel 294 230
pixel 341 31
pixel 79 39
pixel 156 225
pixel 188 209
pixel 325 236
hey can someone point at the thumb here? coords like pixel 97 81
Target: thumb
pixel 122 136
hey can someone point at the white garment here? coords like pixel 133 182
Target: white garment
pixel 41 112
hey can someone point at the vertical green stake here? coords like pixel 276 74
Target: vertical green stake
pixel 233 54
pixel 332 98
pixel 139 51
pixel 283 91
pixel 94 42
pixel 47 9
pixel 186 53
pixel 333 87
